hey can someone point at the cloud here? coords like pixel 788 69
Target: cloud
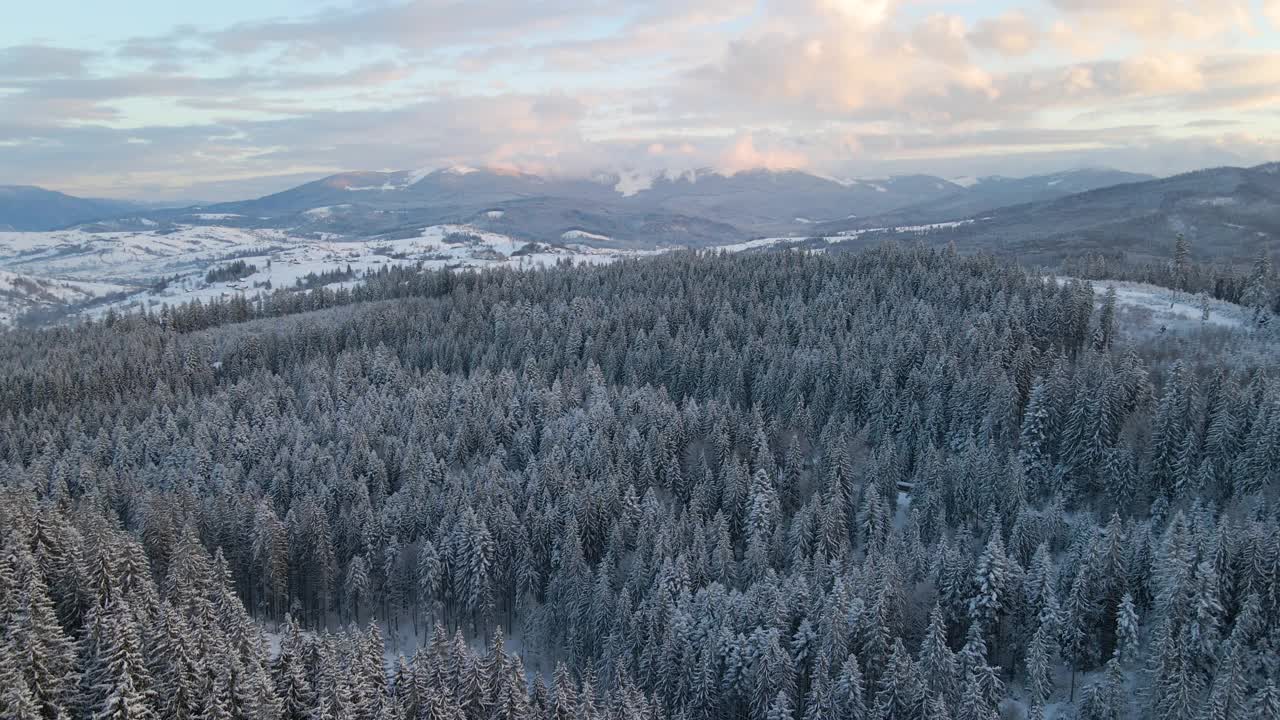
pixel 1158 75
pixel 859 14
pixel 845 63
pixel 941 36
pixel 1075 42
pixel 1163 19
pixel 744 155
pixel 512 131
pixel 1011 34
pixel 414 25
pixel 37 62
pixel 1271 8
pixel 571 86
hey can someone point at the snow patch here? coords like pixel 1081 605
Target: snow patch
pixel 323 212
pixel 21 293
pixel 584 235
pixel 631 182
pixel 1165 309
pixel 418 175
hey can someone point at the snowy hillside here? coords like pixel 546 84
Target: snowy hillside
pixel 128 256
pixel 76 269
pixel 24 293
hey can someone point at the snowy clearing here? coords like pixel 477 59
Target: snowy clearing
pixel 1155 309
pixel 584 235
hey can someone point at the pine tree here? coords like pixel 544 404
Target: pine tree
pixel 1040 659
pixel 1035 437
pixel 43 655
pixel 937 662
pixel 849 691
pixel 17 702
pixel 1126 629
pixel 780 709
pixel 1181 261
pixel 1266 705
pixel 124 691
pixel 357 585
pixel 1105 698
pixel 991 584
pixel 899 693
pixel 1107 320
pixel 564 696
pixel 1226 699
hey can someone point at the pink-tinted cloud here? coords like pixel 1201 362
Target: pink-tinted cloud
pixel 1013 33
pixel 743 154
pixel 573 86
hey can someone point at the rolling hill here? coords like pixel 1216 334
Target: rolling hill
pixel 1228 213
pixel 27 208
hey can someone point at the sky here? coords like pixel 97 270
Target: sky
pixel 163 100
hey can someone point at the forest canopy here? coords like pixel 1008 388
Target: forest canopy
pixel 897 484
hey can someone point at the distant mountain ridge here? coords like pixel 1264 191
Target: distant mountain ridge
pixel 24 208
pixel 752 201
pixel 1228 213
pixel 693 208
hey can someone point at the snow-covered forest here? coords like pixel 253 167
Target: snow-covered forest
pixel 892 485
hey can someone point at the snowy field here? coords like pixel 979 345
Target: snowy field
pixel 843 236
pixel 23 293
pixel 73 268
pixel 1154 308
pixel 127 256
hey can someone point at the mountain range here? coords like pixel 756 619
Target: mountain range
pixel 1227 212
pixel 694 208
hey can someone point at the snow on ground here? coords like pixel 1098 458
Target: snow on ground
pixel 758 243
pixel 217 216
pixel 323 212
pixel 23 293
pixel 126 256
pixel 1170 307
pixel 584 235
pixel 78 269
pixel 1154 308
pixel 901 229
pixel 384 187
pixel 135 261
pixel 419 175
